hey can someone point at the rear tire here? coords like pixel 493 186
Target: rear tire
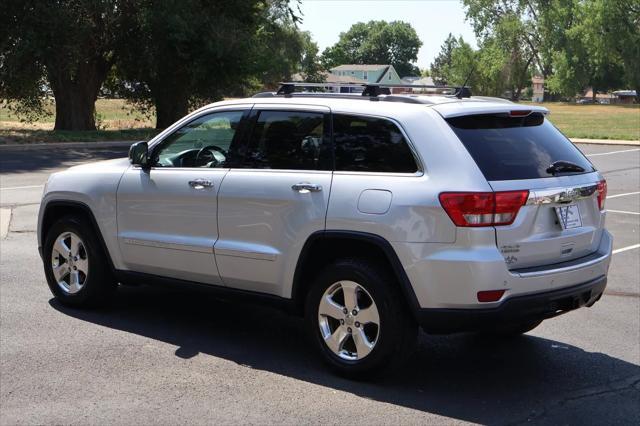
pixel 358 319
pixel 75 264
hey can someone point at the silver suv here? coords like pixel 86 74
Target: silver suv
pixel 369 215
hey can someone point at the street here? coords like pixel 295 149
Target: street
pixel 163 356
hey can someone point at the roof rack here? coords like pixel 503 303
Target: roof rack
pixel 370 89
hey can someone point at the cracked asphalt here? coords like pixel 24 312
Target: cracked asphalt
pixel 159 356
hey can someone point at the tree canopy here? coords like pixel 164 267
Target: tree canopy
pixel 178 56
pixel 66 47
pixel 574 44
pixel 377 42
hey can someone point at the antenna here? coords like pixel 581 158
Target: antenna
pixel 464 92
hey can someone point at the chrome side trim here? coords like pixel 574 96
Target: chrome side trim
pixel 170 246
pixel 561 195
pixel 246 254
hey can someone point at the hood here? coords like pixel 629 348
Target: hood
pixel 116 163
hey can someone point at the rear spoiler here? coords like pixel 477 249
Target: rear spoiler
pixel 457 109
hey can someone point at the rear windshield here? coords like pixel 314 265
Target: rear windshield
pixel 509 148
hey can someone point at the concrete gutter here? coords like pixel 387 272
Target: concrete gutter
pixel 605 142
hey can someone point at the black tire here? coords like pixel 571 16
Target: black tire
pixel 514 330
pixel 99 284
pixel 397 332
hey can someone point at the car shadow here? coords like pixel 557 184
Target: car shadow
pixel 23 161
pixel 465 377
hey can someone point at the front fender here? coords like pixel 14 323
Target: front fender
pixel 93 187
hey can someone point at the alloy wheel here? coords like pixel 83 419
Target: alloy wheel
pixel 69 262
pixel 349 320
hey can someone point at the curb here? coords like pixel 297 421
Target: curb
pixel 96 145
pixel 605 142
pixel 120 144
pixel 5 220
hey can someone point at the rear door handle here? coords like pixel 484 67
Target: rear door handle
pixel 305 187
pixel 200 183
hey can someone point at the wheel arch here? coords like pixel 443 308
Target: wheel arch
pixel 323 247
pixel 56 209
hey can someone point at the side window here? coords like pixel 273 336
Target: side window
pixel 369 144
pixel 289 140
pixel 203 142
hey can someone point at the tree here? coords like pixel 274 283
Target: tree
pixel 190 51
pixel 574 43
pixel 310 66
pixel 377 42
pixel 66 46
pixel 461 66
pixel 441 65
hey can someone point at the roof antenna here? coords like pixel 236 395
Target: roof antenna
pixel 464 91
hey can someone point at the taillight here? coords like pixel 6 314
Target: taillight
pixel 602 193
pixel 483 208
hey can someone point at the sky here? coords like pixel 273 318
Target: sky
pixel 433 20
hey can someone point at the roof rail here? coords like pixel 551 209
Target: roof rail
pixel 373 89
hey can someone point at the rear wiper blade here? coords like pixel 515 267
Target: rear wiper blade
pixel 563 166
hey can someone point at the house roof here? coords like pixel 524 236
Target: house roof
pixel 332 78
pixel 359 67
pixel 625 93
pixel 589 94
pixel 537 79
pixel 423 81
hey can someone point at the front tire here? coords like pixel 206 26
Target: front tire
pixel 75 264
pixel 358 320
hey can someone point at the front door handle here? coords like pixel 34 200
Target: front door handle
pixel 200 183
pixel 305 187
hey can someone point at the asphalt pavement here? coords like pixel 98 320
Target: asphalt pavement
pixel 166 357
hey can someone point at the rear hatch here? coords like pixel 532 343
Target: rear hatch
pixel 520 150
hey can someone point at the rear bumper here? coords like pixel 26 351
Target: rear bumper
pixel 513 310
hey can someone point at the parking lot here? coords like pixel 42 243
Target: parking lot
pixel 161 356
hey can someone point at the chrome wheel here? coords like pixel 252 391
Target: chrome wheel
pixel 349 320
pixel 69 262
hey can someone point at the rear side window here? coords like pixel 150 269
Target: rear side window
pixel 289 140
pixel 509 148
pixel 370 144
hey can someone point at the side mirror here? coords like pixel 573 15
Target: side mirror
pixel 139 154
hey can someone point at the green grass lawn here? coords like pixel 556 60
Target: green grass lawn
pixel 596 121
pixel 118 122
pixel 115 121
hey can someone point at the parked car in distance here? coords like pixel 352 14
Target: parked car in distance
pixel 370 216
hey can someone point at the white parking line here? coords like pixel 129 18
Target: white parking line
pixel 622 195
pixel 21 187
pixel 620 250
pixel 613 152
pixel 623 212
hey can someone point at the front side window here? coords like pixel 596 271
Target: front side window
pixel 370 144
pixel 288 140
pixel 203 142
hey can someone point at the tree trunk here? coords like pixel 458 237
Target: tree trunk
pixel 75 109
pixel 171 102
pixel 594 95
pixel 76 91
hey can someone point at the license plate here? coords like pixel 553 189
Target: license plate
pixel 569 216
